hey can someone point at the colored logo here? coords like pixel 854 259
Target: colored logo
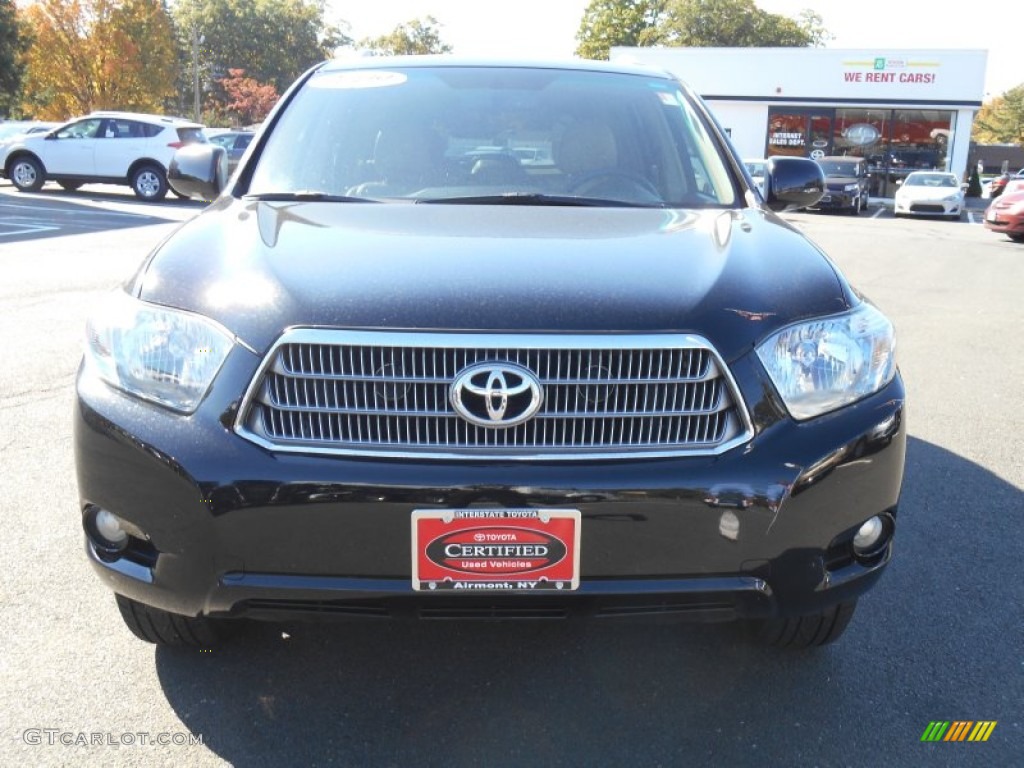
pixel 880 62
pixel 959 730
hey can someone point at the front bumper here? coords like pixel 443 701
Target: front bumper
pixel 837 200
pixel 944 208
pixel 235 530
pixel 1005 222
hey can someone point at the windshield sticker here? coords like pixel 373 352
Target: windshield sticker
pixel 358 79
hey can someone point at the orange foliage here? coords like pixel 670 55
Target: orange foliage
pixel 247 98
pixel 98 54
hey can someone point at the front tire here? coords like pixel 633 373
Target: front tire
pixel 169 629
pixel 26 173
pixel 149 183
pixel 800 632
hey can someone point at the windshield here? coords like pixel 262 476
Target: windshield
pixel 839 169
pixel 473 133
pixel 931 180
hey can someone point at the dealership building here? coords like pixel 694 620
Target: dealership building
pixel 903 110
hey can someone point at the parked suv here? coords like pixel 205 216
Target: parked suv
pixel 103 147
pixel 379 377
pixel 847 181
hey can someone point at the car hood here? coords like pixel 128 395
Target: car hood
pixel 17 140
pixel 1007 200
pixel 732 276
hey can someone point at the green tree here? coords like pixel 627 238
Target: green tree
pixel 694 24
pixel 608 23
pixel 726 24
pixel 413 38
pixel 97 54
pixel 1001 120
pixel 274 41
pixel 974 183
pixel 13 44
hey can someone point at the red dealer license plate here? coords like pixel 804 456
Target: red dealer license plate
pixel 478 550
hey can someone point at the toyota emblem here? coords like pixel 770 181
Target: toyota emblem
pixel 496 394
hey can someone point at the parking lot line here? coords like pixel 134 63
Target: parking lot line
pixel 73 212
pixel 25 229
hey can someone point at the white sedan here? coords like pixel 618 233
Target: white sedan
pixel 930 193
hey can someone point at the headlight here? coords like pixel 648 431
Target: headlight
pixel 951 198
pixel 821 365
pixel 851 188
pixel 1017 208
pixel 165 355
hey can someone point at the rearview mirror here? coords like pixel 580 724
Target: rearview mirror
pixel 792 182
pixel 199 171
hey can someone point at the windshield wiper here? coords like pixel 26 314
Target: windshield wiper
pixel 306 195
pixel 537 198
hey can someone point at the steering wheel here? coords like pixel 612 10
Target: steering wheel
pixel 615 184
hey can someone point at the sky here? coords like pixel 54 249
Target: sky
pixel 547 28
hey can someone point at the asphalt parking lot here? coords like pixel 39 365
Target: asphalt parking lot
pixel 940 638
pixel 95 208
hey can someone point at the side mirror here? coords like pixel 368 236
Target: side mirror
pixel 199 171
pixel 792 182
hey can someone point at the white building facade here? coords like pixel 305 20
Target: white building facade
pixel 903 110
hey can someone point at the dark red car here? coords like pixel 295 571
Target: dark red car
pixel 998 185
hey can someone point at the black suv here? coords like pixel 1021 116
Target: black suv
pixel 387 374
pixel 847 184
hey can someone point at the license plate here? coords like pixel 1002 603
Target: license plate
pixel 495 550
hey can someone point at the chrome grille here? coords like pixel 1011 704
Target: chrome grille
pixel 388 394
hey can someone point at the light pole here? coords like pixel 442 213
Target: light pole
pixel 197 39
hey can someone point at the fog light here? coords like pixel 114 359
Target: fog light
pixel 108 525
pixel 868 536
pixel 107 533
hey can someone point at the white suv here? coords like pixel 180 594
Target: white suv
pixel 103 147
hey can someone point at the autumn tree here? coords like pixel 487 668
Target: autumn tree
pixel 13 42
pixel 97 54
pixel 274 41
pixel 694 24
pixel 248 100
pixel 416 37
pixel 1001 120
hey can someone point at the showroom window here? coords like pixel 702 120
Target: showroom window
pixel 894 141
